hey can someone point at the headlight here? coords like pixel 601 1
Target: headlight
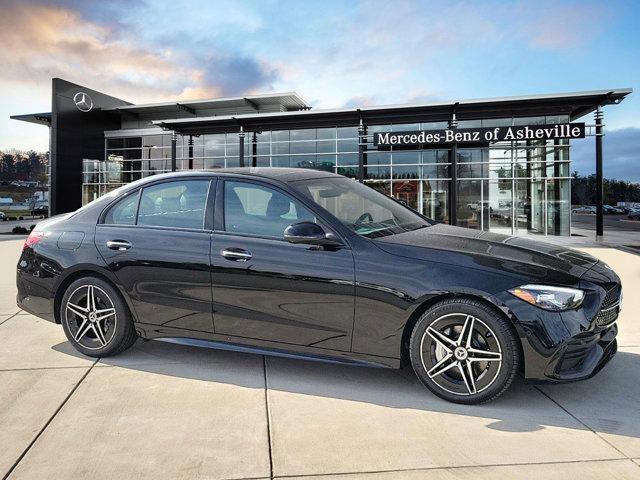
pixel 548 297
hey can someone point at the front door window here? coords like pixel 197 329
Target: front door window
pixel 255 209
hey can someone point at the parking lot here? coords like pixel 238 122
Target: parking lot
pixel 163 410
pixel 611 223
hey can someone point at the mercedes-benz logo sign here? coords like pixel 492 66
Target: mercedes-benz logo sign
pixel 83 101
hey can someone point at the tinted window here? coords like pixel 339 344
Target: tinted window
pixel 361 208
pixel 123 212
pixel 174 204
pixel 259 210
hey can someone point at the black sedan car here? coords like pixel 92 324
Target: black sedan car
pixel 308 263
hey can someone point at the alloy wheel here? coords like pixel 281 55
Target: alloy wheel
pixel 91 317
pixel 461 354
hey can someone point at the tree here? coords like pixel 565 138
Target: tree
pixel 583 190
pixel 7 165
pixel 24 165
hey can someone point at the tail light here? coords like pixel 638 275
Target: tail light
pixel 33 238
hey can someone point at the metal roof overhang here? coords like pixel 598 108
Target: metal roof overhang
pixel 38 118
pixel 288 101
pixel 575 105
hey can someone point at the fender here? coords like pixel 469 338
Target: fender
pixel 71 273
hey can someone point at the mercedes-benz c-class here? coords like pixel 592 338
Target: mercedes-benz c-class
pixel 309 263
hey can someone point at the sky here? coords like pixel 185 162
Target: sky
pixel 333 53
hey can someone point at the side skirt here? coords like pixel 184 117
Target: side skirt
pixel 261 347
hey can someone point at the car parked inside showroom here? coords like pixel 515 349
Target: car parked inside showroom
pixel 312 264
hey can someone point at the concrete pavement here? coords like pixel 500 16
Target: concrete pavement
pixel 164 410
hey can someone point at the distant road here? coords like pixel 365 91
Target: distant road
pixel 7 226
pixel 611 222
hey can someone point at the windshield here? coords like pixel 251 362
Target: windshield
pixel 361 208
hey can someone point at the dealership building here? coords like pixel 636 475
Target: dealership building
pixel 498 164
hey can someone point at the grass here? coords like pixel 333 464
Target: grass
pixel 16 213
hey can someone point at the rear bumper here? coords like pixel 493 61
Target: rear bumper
pixel 33 297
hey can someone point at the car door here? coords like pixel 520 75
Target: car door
pixel 157 243
pixel 266 288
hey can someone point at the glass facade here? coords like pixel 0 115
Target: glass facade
pixel 509 187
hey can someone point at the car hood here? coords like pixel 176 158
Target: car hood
pixel 506 254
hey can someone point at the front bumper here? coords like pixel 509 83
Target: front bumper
pixel 583 356
pixel 570 345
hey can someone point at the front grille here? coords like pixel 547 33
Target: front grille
pixel 610 307
pixel 605 317
pixel 612 297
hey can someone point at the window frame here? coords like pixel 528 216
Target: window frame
pixel 113 204
pixel 208 214
pixel 219 220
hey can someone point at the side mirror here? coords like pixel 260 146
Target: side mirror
pixel 310 233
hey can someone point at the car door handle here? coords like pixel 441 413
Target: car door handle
pixel 120 245
pixel 236 254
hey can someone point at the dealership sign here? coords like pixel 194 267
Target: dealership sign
pixel 479 135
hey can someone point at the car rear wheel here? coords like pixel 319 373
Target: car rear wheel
pixel 464 352
pixel 95 318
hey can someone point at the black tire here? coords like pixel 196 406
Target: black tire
pixel 490 360
pixel 108 331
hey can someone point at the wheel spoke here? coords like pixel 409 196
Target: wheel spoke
pixel 466 334
pixel 104 313
pixel 91 299
pixel 84 327
pixel 466 370
pixel 484 356
pixel 441 339
pixel 77 309
pixel 99 334
pixel 442 366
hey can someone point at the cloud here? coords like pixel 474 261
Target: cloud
pixel 41 41
pixel 555 26
pixel 238 75
pixel 360 101
pixel 621 154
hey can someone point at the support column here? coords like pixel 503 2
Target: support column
pixel 529 209
pixel 254 150
pixel 241 147
pixel 599 176
pixel 174 144
pixel 362 148
pixel 453 211
pixel 453 188
pixel 190 152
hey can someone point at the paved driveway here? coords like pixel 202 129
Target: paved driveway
pixel 167 411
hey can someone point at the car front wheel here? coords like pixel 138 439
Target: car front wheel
pixel 464 351
pixel 95 318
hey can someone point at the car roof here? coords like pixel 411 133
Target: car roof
pixel 282 174
pixel 279 173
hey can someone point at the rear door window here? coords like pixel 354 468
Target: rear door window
pixel 179 204
pixel 123 212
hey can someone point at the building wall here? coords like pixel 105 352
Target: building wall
pixel 509 187
pixel 75 136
